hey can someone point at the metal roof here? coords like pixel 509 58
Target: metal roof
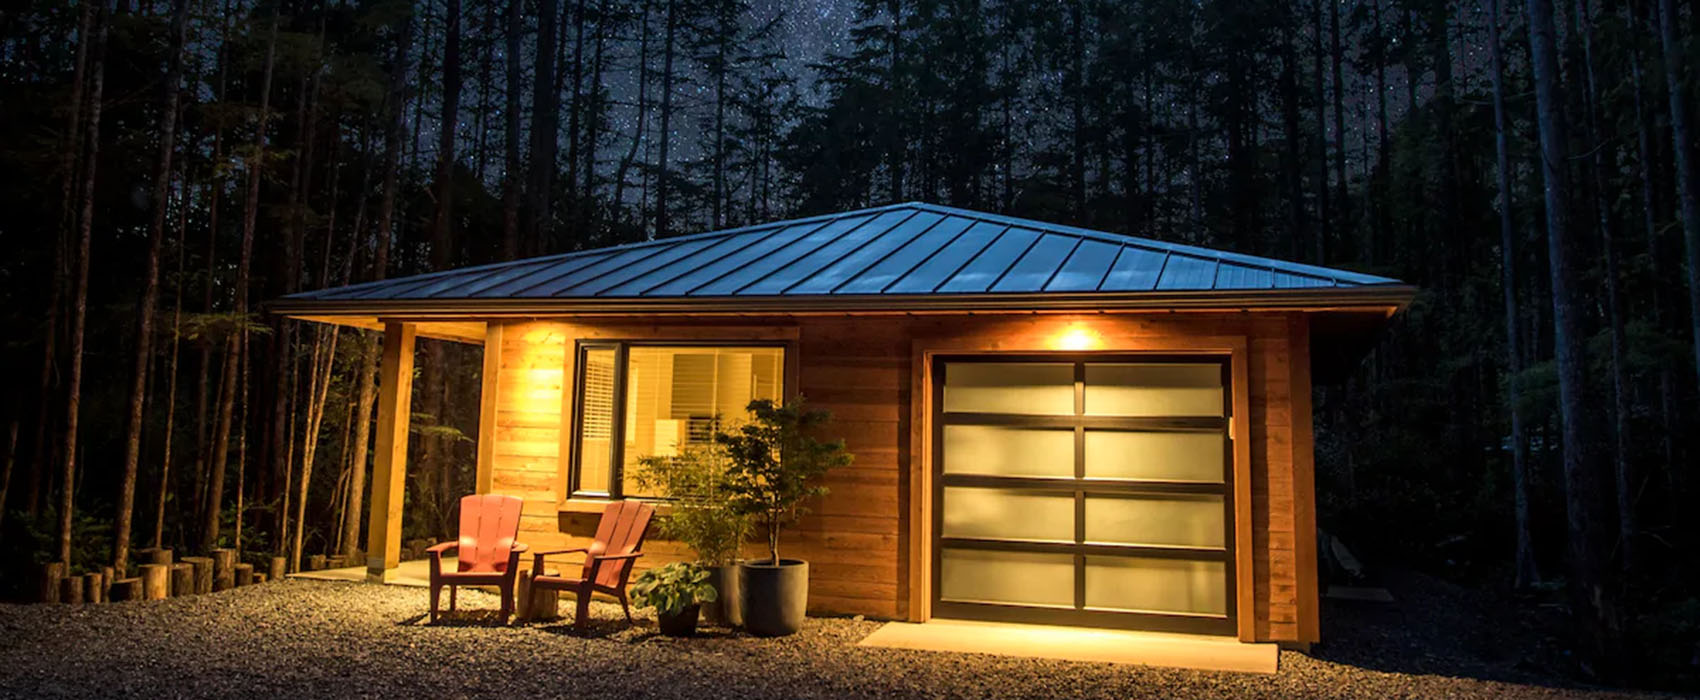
pixel 901 251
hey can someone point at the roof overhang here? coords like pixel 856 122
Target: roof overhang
pixel 1389 298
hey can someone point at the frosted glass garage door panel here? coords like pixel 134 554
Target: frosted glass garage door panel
pixel 1024 578
pixel 1175 520
pixel 1002 451
pixel 1009 387
pixel 1006 514
pixel 1153 389
pixel 1172 456
pixel 1157 585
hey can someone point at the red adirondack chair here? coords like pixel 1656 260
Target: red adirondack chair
pixel 486 554
pixel 607 561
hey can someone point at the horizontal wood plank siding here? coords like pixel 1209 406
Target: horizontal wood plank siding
pixel 859 540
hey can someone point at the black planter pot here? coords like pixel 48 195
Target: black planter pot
pixel 727 610
pixel 775 597
pixel 680 624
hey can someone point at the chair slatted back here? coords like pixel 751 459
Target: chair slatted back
pixel 620 531
pixel 489 524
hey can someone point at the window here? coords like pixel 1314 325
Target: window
pixel 640 400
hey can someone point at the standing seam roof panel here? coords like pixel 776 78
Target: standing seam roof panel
pixel 760 267
pixel 980 273
pixel 848 266
pixel 1135 270
pixel 727 246
pixel 899 262
pixel 1034 269
pixel 782 279
pixel 1085 268
pixel 592 287
pixel 944 263
pixel 1187 272
pixel 683 284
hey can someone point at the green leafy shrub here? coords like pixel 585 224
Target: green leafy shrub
pixel 672 588
pixel 697 480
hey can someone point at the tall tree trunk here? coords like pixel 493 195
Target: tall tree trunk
pixel 663 165
pixel 1594 602
pixel 545 104
pixel 367 390
pixel 1682 144
pixel 510 143
pixel 236 348
pixel 150 290
pixel 573 116
pixel 442 242
pixel 1525 572
pixel 80 283
pixel 158 539
pixel 642 110
pixel 1342 206
pixel 1627 530
pixel 1324 212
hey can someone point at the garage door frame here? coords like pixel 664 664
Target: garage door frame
pixel 1228 490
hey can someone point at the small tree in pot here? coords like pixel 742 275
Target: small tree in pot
pixel 774 462
pixel 703 518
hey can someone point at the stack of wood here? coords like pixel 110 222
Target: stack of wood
pixel 157 576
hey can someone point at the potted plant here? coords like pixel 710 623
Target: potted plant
pixel 676 591
pixel 702 517
pixel 774 460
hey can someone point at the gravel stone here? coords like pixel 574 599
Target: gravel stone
pixel 316 638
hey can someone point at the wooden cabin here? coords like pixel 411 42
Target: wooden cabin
pixel 1049 424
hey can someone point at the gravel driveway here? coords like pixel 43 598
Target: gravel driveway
pixel 311 638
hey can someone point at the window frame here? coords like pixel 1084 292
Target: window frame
pixel 617 428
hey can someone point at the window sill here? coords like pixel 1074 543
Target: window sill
pixel 597 505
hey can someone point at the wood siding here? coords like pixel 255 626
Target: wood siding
pixel 864 540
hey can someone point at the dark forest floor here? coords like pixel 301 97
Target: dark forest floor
pixel 320 638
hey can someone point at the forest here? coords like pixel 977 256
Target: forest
pixel 1528 425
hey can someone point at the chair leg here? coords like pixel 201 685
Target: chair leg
pixel 582 621
pixel 507 600
pixel 452 589
pixel 624 605
pixel 436 590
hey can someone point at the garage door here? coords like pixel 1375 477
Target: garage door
pixel 1084 492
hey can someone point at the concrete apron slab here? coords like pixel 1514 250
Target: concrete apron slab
pixel 415 573
pixel 1192 651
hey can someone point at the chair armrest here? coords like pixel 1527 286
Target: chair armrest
pixel 596 561
pixel 441 547
pixel 537 557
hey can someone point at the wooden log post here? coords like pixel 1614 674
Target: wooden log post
pixel 155 556
pixel 259 578
pixel 47 582
pixel 107 576
pixel 244 574
pixel 279 566
pixel 315 562
pixel 389 462
pixel 93 587
pixel 182 579
pixel 71 590
pixel 224 569
pixel 203 573
pixel 156 581
pixel 127 589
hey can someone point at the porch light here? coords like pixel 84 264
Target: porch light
pixel 1076 336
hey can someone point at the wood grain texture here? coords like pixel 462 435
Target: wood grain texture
pixel 868 540
pixel 389 461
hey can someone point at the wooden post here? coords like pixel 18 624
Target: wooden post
pixel 47 583
pixel 182 579
pixel 107 576
pixel 244 574
pixel 315 562
pixel 1303 444
pixel 127 589
pixel 259 578
pixel 489 394
pixel 154 556
pixel 279 566
pixel 203 573
pixel 156 581
pixel 224 569
pixel 389 464
pixel 92 587
pixel 71 590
